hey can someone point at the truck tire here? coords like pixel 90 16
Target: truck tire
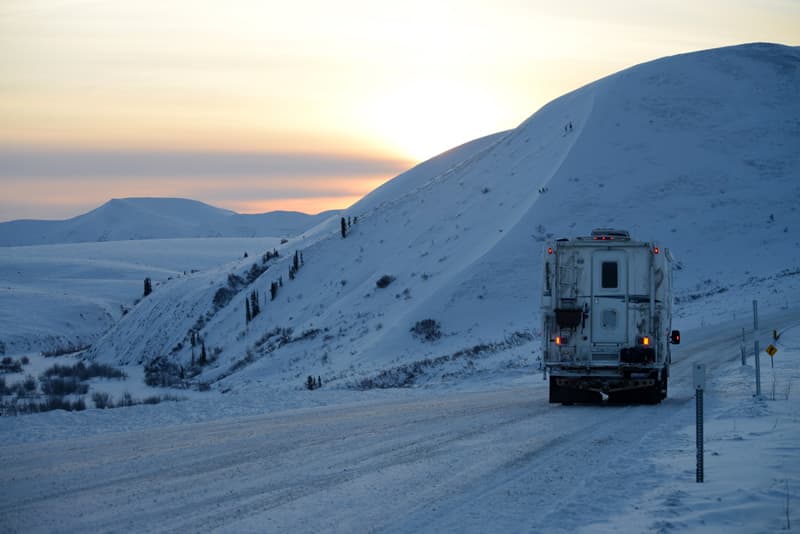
pixel 558 394
pixel 651 395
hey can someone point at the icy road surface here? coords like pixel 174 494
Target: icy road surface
pixel 502 460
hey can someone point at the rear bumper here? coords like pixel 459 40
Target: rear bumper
pixel 604 384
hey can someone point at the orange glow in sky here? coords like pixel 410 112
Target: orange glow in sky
pixel 380 81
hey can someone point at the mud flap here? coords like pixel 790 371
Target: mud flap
pixel 570 395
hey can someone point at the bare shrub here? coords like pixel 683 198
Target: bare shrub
pixel 83 372
pixel 427 330
pixel 10 365
pixel 126 400
pixel 63 386
pixel 164 373
pixel 384 281
pixel 102 400
pixel 29 384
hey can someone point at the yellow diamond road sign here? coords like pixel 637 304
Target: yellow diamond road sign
pixel 771 350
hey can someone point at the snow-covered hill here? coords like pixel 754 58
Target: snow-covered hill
pixel 156 218
pixel 697 151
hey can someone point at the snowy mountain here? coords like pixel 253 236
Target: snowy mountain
pixel 156 218
pixel 696 151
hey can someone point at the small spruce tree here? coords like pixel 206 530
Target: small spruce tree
pixel 254 306
pixel 203 356
pixel 344 228
pixel 148 286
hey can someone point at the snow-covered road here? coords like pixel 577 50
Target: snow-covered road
pixel 502 460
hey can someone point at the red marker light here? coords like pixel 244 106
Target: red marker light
pixel 655 250
pixel 549 250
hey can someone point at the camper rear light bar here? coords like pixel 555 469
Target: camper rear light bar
pixel 610 234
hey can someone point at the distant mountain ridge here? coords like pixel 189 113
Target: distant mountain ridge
pixel 122 219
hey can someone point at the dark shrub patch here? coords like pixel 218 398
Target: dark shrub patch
pixel 9 365
pixel 56 386
pixel 385 280
pixel 427 330
pixel 83 372
pixel 161 372
pixel 102 400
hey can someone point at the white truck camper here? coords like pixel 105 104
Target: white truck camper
pixel 607 319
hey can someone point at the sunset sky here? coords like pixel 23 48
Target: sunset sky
pixel 303 105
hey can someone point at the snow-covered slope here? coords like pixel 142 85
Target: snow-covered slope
pixel 156 218
pixel 697 151
pixel 61 297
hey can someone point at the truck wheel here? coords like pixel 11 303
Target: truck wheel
pixel 651 395
pixel 557 393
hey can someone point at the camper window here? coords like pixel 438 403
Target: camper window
pixel 609 275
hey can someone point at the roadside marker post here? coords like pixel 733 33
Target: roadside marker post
pixel 755 349
pixel 744 353
pixel 699 386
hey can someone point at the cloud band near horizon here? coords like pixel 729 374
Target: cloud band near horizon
pixel 33 163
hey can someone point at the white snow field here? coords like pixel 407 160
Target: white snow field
pixel 53 297
pixel 700 152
